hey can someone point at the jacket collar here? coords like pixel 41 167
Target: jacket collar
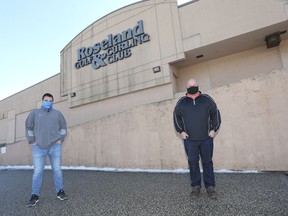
pixel 193 96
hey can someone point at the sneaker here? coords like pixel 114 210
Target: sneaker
pixel 33 200
pixel 211 192
pixel 61 195
pixel 195 191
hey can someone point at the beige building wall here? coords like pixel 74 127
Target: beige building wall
pixel 230 35
pixel 209 22
pixel 232 68
pixel 159 21
pixel 251 136
pixel 130 125
pixel 254 119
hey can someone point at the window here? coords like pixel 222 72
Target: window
pixel 3 150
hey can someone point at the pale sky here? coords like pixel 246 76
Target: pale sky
pixel 33 33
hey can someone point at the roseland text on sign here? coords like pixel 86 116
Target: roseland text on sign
pixel 113 48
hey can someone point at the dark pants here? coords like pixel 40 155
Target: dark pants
pixel 204 148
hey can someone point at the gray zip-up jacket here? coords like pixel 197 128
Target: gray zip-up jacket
pixel 45 128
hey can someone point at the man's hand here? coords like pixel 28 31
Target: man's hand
pixel 184 135
pixel 212 133
pixel 59 142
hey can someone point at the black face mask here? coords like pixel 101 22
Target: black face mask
pixel 192 90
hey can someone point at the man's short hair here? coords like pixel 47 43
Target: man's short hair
pixel 48 95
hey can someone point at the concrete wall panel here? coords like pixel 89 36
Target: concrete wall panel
pixel 231 68
pixel 252 136
pixel 221 19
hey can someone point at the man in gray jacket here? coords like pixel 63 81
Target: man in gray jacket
pixel 46 129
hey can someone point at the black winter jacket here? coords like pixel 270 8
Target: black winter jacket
pixel 196 117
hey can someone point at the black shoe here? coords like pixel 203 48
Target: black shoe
pixel 61 195
pixel 33 200
pixel 211 192
pixel 195 191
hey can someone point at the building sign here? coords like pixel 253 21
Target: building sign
pixel 113 48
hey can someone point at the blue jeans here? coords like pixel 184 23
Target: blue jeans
pixel 204 148
pixel 39 158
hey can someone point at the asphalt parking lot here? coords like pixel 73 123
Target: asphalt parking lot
pixel 137 194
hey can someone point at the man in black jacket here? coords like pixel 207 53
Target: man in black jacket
pixel 197 118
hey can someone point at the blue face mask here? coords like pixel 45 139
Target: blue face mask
pixel 47 105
